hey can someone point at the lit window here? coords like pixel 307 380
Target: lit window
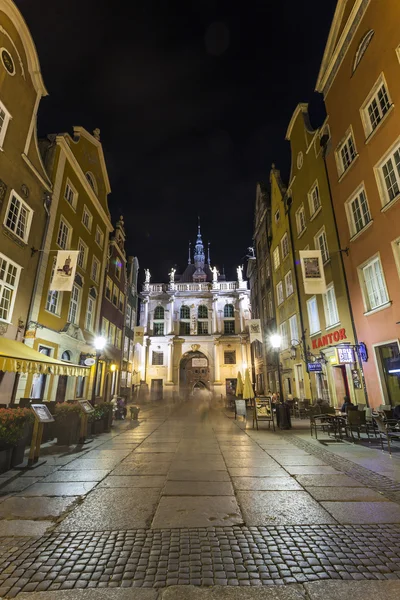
pixel 95 270
pixel 388 172
pixel 90 312
pixel 121 302
pixel 109 287
pixel 115 294
pixel 346 153
pixel 63 235
pixel 70 194
pixel 53 297
pixel 73 311
pixel 82 256
pixel 330 306
pixel 202 328
pixel 118 269
pixel 4 121
pixel 128 315
pixel 322 244
pixel 313 316
pixel 229 311
pixel 9 278
pixel 99 237
pixel 284 336
pixel 230 357
pixel 289 284
pixel 118 338
pixel 105 326
pixel 300 220
pixel 276 258
pixel 285 246
pixel 111 334
pixel 373 284
pixel 358 212
pixel 314 199
pixel 18 217
pixel 87 218
pixel 376 106
pixel 294 332
pixel 157 359
pixel 279 293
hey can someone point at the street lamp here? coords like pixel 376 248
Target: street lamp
pixel 99 343
pixel 275 341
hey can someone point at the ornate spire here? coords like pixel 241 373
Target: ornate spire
pixel 199 257
pixel 190 251
pixel 208 255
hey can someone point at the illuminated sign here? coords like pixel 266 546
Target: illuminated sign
pixel 345 355
pixel 315 367
pixel 329 338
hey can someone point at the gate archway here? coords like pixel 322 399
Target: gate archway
pixel 194 372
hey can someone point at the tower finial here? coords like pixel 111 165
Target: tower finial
pixel 189 257
pixel 198 224
pixel 208 254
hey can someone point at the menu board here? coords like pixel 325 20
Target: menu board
pixel 240 408
pixel 86 406
pixel 42 413
pixel 263 411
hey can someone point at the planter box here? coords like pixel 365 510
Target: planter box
pixel 5 459
pixel 67 430
pixel 108 422
pixel 98 426
pixel 18 454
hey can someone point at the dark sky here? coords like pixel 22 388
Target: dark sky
pixel 193 98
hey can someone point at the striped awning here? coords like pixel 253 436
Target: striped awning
pixel 17 357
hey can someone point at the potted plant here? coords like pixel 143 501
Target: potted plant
pixel 98 419
pixel 68 417
pixel 12 439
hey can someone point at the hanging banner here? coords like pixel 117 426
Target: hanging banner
pixel 255 330
pixel 313 272
pixel 138 335
pixel 64 271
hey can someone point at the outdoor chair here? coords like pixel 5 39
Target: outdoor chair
pixel 386 431
pixel 322 422
pixel 386 409
pixel 356 421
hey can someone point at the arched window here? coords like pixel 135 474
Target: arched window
pixel 363 45
pixel 159 313
pixel 229 311
pixel 185 312
pixel 92 181
pixel 66 355
pixel 202 312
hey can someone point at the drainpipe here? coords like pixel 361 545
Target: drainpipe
pixel 323 143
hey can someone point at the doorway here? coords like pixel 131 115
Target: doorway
pixel 299 381
pixel 388 356
pixel 341 383
pixel 156 389
pixel 39 381
pixel 62 380
pixel 193 368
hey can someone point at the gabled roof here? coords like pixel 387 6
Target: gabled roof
pixel 81 131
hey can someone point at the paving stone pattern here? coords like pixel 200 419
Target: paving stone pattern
pixel 236 556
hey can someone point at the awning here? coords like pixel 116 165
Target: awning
pixel 17 357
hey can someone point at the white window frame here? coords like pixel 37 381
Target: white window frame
pixel 345 145
pixel 358 196
pixel 85 254
pixel 284 335
pixel 87 211
pixel 91 179
pixel 90 314
pixel 7 288
pixel 277 215
pixel 105 326
pixel 294 330
pixel 74 203
pixel 301 221
pixel 369 308
pixel 6 121
pixel 322 233
pixel 373 96
pixel 51 294
pixel 331 311
pixel 313 319
pixel 280 298
pixel 29 216
pixel 119 301
pixel 386 198
pixel 156 363
pixel 118 338
pixel 74 305
pixel 95 260
pixel 100 234
pixel 314 211
pixel 285 246
pixel 115 294
pixel 64 221
pixel 289 288
pixel 108 286
pixel 276 258
pixel 112 330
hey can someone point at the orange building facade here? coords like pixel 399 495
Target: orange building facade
pixel 360 81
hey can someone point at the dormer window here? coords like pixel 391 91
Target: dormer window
pixel 363 45
pixel 92 181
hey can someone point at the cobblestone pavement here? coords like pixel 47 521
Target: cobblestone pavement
pixel 192 497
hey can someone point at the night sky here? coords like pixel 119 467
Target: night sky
pixel 192 97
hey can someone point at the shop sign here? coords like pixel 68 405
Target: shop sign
pixel 329 338
pixel 345 356
pixel 314 367
pixel 199 362
pixel 356 379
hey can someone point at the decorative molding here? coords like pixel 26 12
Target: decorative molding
pixel 21 64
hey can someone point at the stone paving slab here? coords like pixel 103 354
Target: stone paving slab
pixel 94 463
pixel 133 481
pixel 303 459
pixel 327 481
pixel 257 472
pixel 360 590
pixel 34 508
pixel 76 476
pixel 69 488
pixel 196 511
pixel 155 468
pixel 265 483
pixel 350 494
pixel 24 528
pixel 41 471
pixel 293 592
pixel 187 475
pixel 17 485
pixel 198 488
pixel 311 470
pixel 363 512
pixel 95 594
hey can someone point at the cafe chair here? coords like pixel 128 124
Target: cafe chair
pixel 386 430
pixel 322 422
pixel 356 421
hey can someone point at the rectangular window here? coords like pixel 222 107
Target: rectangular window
pixel 202 328
pixel 53 297
pixel 229 327
pixel 105 326
pixel 73 311
pixel 270 305
pixel 294 332
pixel 322 244
pixel 330 306
pixel 121 302
pixel 389 174
pixel 346 153
pixel 90 312
pixel 18 217
pixel 109 287
pixel 118 269
pixel 184 328
pixel 314 199
pixel 87 218
pixel 9 278
pixel 128 316
pixel 158 328
pixel 279 293
pixel 285 246
pixel 99 237
pixel 313 316
pixel 4 120
pixel 284 336
pixel 230 357
pixel 373 284
pixel 63 235
pixel 115 294
pixel 277 216
pixel 111 334
pixel 95 273
pixel 376 106
pixel 300 220
pixel 289 284
pixel 70 194
pixel 118 338
pixel 82 256
pixel 157 359
pixel 276 258
pixel 358 213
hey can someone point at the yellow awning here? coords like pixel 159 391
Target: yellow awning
pixel 20 358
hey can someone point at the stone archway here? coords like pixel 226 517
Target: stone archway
pixel 194 372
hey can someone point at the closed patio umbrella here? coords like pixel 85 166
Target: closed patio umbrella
pixel 239 385
pixel 248 392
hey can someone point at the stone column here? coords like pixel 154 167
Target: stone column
pixel 146 314
pixel 217 374
pixel 170 362
pixel 241 313
pixel 214 315
pixel 171 311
